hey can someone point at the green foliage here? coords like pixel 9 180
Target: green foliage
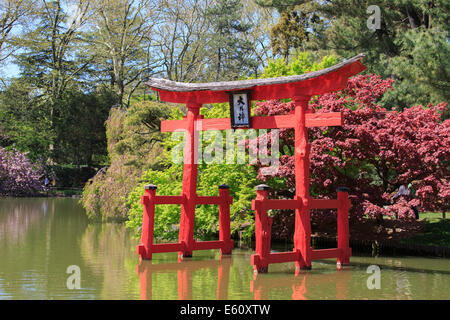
pixel 233 52
pixel 141 131
pixel 72 124
pixel 169 183
pixel 69 176
pixel 288 33
pixel 280 5
pixel 424 72
pixel 133 146
pixel 240 178
pixel 303 63
pixel 436 233
pixel 410 46
pixel 79 127
pixel 24 120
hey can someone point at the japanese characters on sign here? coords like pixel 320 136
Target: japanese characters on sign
pixel 240 109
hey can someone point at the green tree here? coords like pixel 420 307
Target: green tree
pixel 119 41
pixel 180 39
pixel 51 48
pixel 411 44
pixel 24 119
pixel 288 33
pixel 50 57
pixel 80 131
pixel 232 51
pixel 13 13
pixel 280 5
pixel 304 62
pixel 133 146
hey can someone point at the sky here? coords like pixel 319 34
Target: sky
pixel 10 70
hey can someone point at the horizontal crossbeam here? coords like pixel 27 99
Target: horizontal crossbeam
pixel 215 244
pixel 280 204
pixel 268 122
pixel 180 246
pixel 167 247
pixel 323 204
pixel 286 204
pixel 181 200
pixel 325 253
pixel 277 257
pixel 213 200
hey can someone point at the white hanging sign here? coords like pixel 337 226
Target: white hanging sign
pixel 240 109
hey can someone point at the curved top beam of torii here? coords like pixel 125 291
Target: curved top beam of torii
pixel 313 83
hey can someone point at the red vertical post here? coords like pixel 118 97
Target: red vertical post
pixel 343 227
pixel 187 220
pixel 224 219
pixel 262 231
pixel 302 234
pixel 148 222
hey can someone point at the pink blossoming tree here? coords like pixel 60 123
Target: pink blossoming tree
pixel 18 176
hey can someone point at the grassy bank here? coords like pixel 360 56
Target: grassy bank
pixel 436 231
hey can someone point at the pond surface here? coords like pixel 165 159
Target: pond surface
pixel 41 238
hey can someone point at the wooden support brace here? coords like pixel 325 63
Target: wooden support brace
pixel 280 204
pixel 323 204
pixel 215 244
pixel 326 253
pixel 169 200
pixel 213 200
pixel 168 247
pixel 267 122
pixel 278 257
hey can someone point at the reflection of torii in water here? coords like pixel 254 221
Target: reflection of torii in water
pixel 301 283
pixel 184 270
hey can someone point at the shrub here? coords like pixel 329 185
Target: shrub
pixel 133 146
pixel 18 176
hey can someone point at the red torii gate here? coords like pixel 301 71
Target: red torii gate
pixel 300 89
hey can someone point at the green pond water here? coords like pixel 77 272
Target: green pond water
pixel 41 238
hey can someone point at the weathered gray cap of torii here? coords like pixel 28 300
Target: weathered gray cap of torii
pixel 164 84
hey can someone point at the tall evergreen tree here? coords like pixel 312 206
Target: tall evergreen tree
pixel 48 57
pixel 232 51
pixel 287 34
pixel 411 44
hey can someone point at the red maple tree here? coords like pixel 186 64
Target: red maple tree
pixel 373 153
